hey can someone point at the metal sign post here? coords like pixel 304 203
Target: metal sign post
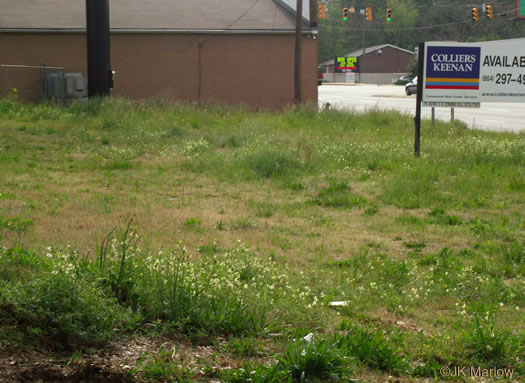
pixel 419 98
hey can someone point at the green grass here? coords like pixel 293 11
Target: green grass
pixel 246 226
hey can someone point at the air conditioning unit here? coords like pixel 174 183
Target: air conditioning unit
pixel 53 87
pixel 76 87
pixel 64 87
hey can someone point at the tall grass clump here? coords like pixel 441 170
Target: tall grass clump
pixel 116 264
pixel 372 349
pixel 338 195
pixel 271 164
pixel 311 359
pixel 487 345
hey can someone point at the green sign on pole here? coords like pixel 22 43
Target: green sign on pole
pixel 522 8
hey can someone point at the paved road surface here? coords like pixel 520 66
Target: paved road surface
pixel 491 116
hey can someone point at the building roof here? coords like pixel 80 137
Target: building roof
pixel 150 15
pixel 359 52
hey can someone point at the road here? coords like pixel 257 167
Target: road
pixel 491 116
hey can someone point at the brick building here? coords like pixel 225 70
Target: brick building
pixel 379 65
pixel 228 51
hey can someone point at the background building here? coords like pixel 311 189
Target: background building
pixel 232 51
pixel 380 65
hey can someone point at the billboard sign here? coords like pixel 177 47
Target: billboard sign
pixel 465 74
pixel 346 64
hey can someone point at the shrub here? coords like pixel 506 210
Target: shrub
pixel 67 312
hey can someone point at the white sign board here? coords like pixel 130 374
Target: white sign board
pixel 465 74
pixel 350 77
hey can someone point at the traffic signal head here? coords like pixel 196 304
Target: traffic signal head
pixel 345 14
pixel 475 14
pixel 369 14
pixel 322 12
pixel 389 15
pixel 490 13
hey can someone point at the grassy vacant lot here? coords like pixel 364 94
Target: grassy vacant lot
pixel 171 243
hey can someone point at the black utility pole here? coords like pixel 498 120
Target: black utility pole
pixel 100 76
pixel 298 51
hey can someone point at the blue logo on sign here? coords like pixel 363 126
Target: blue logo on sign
pixel 453 67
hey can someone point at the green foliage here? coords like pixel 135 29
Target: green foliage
pixel 371 349
pixel 161 366
pixel 320 359
pixel 412 188
pixel 338 195
pixel 64 310
pixel 220 294
pixel 271 164
pixel 264 210
pixel 487 345
pixel 242 223
pixel 117 270
pixel 74 301
pixel 515 253
pixel 18 226
pixel 209 249
pixel 411 22
pixel 438 216
pixel 448 239
pixel 256 374
pixel 243 346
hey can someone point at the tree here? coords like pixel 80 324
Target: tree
pixel 412 21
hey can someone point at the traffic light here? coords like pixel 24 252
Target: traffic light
pixel 322 12
pixel 368 13
pixel 475 14
pixel 345 14
pixel 389 15
pixel 490 13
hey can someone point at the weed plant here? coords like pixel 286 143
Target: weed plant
pixel 74 301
